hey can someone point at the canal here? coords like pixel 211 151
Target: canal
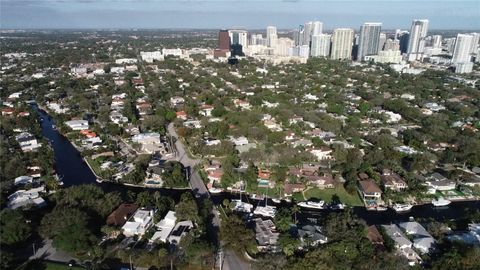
pixel 74 171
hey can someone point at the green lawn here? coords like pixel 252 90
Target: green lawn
pixel 326 195
pixel 57 266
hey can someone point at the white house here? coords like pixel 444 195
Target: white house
pixel 322 153
pixel 402 244
pixel 239 141
pixel 27 142
pixel 164 227
pixel 77 124
pixel 139 223
pixel 21 198
pixel 176 101
pixel 21 180
pixel 180 230
pixel 206 110
pixel 147 138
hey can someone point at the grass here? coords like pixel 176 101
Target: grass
pixel 43 265
pixel 326 195
pixel 57 266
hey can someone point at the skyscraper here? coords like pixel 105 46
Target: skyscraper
pixel 320 45
pixel 238 37
pixel 223 40
pixel 271 36
pixel 463 48
pixel 476 39
pixel 416 42
pixel 342 41
pixel 437 41
pixel 369 40
pixel 317 28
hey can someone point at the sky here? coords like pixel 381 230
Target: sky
pixel 249 14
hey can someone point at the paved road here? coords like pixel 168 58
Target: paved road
pixel 231 261
pixel 48 252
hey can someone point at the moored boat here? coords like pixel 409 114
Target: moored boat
pixel 312 205
pixel 399 207
pixel 440 202
pixel 265 211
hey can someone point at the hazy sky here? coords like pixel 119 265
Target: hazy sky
pixel 251 14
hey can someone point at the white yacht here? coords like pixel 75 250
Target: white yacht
pixel 242 207
pixel 440 202
pixel 215 190
pixel 399 207
pixel 312 205
pixel 265 211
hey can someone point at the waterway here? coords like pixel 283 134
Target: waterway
pixel 74 171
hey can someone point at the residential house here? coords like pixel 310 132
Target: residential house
pixel 181 229
pixel 263 178
pixel 181 115
pixel 322 153
pixel 242 104
pixel 439 182
pixel 23 198
pixel 174 101
pixel 375 237
pixel 164 227
pixel 392 181
pixel 290 188
pixel 120 215
pixel 239 141
pixel 402 244
pixel 266 235
pixel 22 180
pixel 77 124
pixel 311 235
pixel 422 240
pixel 139 223
pixel 370 192
pixel 206 110
pixel 470 237
pixel 27 142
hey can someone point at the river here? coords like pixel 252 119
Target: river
pixel 74 171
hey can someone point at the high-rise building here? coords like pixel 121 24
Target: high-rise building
pixel 317 28
pixel 381 41
pixel 437 41
pixel 283 46
pixel 271 36
pixel 416 42
pixel 342 41
pixel 320 45
pixel 223 40
pixel 238 37
pixel 463 48
pixel 476 39
pixel 369 40
pixel 403 38
pixel 391 45
pixel 256 39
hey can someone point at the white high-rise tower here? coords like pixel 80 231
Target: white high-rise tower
pixel 416 41
pixel 369 40
pixel 463 48
pixel 320 45
pixel 271 36
pixel 342 41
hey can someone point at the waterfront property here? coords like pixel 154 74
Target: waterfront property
pixel 139 223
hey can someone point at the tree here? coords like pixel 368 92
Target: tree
pixel 68 228
pixel 14 228
pixel 236 236
pixel 187 208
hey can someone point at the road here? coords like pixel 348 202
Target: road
pixel 48 252
pixel 231 261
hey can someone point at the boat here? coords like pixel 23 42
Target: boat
pixel 276 200
pixel 337 206
pixel 99 180
pixel 54 127
pixel 242 207
pixel 313 205
pixel 381 208
pixel 440 202
pixel 265 211
pixel 215 190
pixel 399 207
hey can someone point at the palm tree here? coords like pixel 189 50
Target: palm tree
pixel 295 210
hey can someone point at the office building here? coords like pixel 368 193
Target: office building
pixel 223 40
pixel 320 45
pixel 342 41
pixel 369 40
pixel 437 41
pixel 238 37
pixel 381 41
pixel 416 42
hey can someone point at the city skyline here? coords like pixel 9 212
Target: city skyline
pixel 76 14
